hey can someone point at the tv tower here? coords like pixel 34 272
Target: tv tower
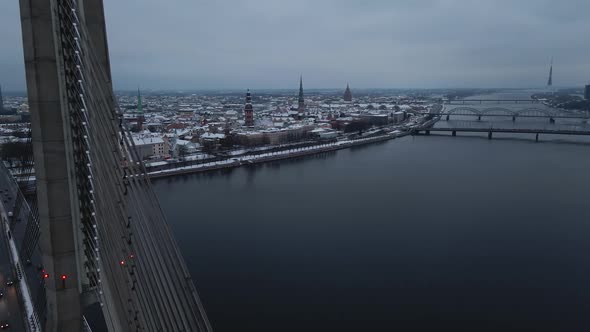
pixel 1 100
pixel 550 80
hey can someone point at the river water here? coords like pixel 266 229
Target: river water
pixel 416 234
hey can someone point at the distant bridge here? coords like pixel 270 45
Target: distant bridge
pixel 472 126
pixel 490 101
pixel 531 112
pixel 492 130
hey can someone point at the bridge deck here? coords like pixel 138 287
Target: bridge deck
pixel 495 101
pixel 506 115
pixel 508 130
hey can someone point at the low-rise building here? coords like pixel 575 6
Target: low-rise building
pixel 150 146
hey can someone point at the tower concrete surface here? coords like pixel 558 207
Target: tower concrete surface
pixel 53 162
pixel 61 243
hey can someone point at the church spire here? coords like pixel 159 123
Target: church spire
pixel 301 100
pixel 248 111
pixel 139 103
pixel 347 94
pixel 140 117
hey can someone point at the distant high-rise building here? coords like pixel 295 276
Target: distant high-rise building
pixel 248 111
pixel 550 80
pixel 1 100
pixel 347 93
pixel 301 101
pixel 587 92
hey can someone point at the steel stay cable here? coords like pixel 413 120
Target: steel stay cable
pixel 98 269
pixel 134 181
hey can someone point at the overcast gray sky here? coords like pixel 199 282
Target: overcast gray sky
pixel 179 44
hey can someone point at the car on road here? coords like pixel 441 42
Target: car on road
pixel 4 325
pixel 9 282
pixel 1 293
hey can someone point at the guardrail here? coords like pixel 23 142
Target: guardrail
pixel 85 326
pixel 32 319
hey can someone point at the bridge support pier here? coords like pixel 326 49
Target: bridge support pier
pixel 479 118
pixel 514 118
pixel 489 135
pixel 551 120
pixel 537 138
pixel 454 133
pixel 448 117
pixel 427 132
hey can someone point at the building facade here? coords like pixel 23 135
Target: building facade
pixel 151 146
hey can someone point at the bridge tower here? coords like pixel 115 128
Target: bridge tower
pixel 53 153
pixel 103 235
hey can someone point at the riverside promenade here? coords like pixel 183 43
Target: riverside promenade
pixel 239 161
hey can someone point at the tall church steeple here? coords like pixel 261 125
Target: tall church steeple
pixel 347 94
pixel 301 100
pixel 139 103
pixel 248 111
pixel 140 116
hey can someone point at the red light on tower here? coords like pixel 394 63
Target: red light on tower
pixel 122 263
pixel 45 275
pixel 64 277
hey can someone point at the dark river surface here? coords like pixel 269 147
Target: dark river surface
pixel 425 233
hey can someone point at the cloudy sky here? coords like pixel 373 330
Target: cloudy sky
pixel 181 44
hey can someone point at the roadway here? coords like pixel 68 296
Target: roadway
pixel 31 275
pixel 10 309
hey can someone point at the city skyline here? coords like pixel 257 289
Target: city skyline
pixel 431 44
pixel 212 203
